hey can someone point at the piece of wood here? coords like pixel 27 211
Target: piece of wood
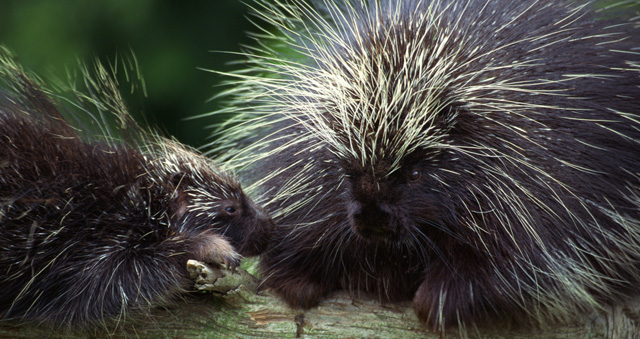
pixel 234 308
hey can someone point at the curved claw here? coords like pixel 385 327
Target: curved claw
pixel 213 248
pixel 232 262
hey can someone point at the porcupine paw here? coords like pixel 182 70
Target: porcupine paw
pixel 213 248
pixel 442 305
pixel 299 292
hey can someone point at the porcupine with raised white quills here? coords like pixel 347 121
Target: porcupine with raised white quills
pixel 480 158
pixel 95 228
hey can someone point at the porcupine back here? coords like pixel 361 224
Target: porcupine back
pixel 93 228
pixel 480 157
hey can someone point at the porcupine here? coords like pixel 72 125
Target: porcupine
pixel 480 158
pixel 93 228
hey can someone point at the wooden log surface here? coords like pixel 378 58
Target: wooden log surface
pixel 233 307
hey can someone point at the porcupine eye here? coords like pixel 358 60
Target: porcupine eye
pixel 230 210
pixel 414 175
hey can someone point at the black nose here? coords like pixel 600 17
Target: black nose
pixel 371 220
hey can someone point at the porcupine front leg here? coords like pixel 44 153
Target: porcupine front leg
pixel 465 296
pixel 300 292
pixel 295 281
pixel 215 249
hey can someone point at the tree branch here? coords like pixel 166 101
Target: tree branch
pixel 233 307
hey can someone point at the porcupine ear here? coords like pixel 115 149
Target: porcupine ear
pixel 179 181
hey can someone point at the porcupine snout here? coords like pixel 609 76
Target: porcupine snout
pixel 264 227
pixel 250 240
pixel 371 214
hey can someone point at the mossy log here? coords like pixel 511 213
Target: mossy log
pixel 233 307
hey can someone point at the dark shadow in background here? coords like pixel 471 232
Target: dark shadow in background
pixel 171 40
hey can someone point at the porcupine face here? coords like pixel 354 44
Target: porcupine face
pixel 398 121
pixel 207 197
pixel 384 204
pixel 392 207
pixel 373 205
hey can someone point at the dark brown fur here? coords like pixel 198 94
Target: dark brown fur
pixel 523 210
pixel 92 230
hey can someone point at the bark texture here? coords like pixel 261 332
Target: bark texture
pixel 231 306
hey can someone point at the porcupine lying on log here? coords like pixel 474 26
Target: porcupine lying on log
pixel 480 158
pixel 95 228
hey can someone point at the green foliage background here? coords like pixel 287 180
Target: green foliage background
pixel 171 40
